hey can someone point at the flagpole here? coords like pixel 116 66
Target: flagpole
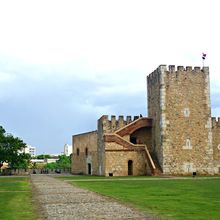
pixel 203 59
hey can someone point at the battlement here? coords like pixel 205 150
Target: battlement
pixel 155 75
pixel 111 123
pixel 215 121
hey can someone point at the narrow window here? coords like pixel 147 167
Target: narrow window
pixel 186 112
pixel 86 152
pixel 77 151
pixel 188 143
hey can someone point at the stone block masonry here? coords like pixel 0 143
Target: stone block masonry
pixel 57 199
pixel 182 134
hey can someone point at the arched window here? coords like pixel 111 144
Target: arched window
pixel 86 151
pixel 77 151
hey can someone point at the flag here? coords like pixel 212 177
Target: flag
pixel 203 56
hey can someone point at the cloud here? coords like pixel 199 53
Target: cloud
pixel 63 65
pixel 47 107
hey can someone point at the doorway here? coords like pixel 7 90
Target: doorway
pixel 89 168
pixel 130 168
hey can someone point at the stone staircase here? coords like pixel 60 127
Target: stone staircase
pixel 117 137
pixel 134 125
pixel 119 140
pixel 158 170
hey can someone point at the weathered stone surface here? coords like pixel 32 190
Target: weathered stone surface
pixel 59 200
pixel 216 143
pixel 183 141
pixel 81 159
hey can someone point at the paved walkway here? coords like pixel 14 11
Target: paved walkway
pixel 57 199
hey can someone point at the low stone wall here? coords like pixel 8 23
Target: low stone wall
pixel 24 172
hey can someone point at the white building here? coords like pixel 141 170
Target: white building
pixel 68 149
pixel 29 150
pixel 37 161
pixel 51 160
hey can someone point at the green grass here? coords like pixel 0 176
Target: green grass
pixel 14 183
pixel 191 198
pixel 87 177
pixel 16 205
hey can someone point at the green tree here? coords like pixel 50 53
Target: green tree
pixel 9 150
pixel 51 166
pixel 43 156
pixel 64 162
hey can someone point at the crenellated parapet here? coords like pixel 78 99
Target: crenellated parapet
pixel 216 122
pixel 155 76
pixel 196 69
pixel 112 123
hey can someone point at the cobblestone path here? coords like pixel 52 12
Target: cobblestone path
pixel 57 199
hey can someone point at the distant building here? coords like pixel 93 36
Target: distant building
pixel 37 161
pixel 51 160
pixel 55 155
pixel 29 150
pixel 68 149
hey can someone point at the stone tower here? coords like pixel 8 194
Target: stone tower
pixel 179 104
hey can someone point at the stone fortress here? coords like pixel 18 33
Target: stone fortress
pixel 178 137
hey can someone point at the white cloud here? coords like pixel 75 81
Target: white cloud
pixel 6 78
pixel 91 57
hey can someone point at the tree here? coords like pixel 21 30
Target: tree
pixel 64 162
pixel 51 166
pixel 43 156
pixel 9 151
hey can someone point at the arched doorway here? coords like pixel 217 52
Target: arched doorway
pixel 130 168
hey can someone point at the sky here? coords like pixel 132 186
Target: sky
pixel 64 64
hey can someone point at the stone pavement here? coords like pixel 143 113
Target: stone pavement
pixel 57 199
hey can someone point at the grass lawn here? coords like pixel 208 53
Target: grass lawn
pixel 87 177
pixel 16 199
pixel 191 198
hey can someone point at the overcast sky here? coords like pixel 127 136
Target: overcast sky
pixel 63 64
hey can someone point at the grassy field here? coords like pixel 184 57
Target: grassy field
pixel 190 198
pixel 16 199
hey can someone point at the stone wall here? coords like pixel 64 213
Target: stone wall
pixel 185 123
pixel 112 124
pixel 102 128
pixel 216 143
pixel 117 161
pixel 106 125
pixel 143 136
pixel 81 159
pixel 156 94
